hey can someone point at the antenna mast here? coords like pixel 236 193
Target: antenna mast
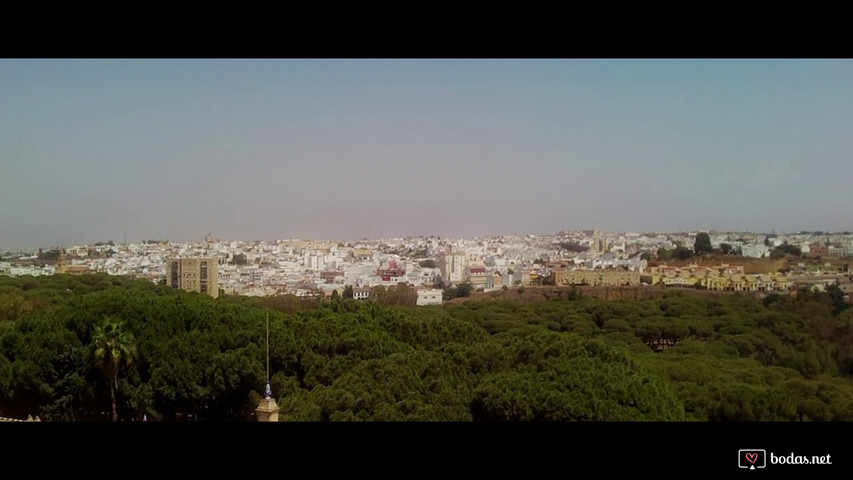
pixel 268 347
pixel 268 390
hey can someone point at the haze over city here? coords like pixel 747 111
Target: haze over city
pixel 266 149
pixel 431 240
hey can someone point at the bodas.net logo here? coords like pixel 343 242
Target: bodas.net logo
pixel 751 458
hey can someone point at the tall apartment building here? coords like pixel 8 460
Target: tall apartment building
pixel 194 275
pixel 452 267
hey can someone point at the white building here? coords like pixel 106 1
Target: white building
pixel 425 276
pixel 315 262
pixel 430 296
pixel 452 268
pixel 360 293
pixel 755 251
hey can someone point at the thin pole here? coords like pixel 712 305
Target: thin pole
pixel 267 389
pixel 268 347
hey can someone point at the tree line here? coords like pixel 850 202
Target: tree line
pixel 100 348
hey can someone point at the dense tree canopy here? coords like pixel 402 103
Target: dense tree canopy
pixel 679 357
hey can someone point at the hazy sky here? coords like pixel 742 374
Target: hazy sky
pixel 267 149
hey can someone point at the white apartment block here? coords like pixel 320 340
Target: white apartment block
pixel 452 268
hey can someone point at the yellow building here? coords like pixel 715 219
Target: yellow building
pixel 772 282
pixel 784 282
pixel 362 254
pixel 716 283
pixel 684 281
pixel 476 276
pixel 62 265
pixel 604 278
pixel 724 278
pixel 194 275
pixel 693 270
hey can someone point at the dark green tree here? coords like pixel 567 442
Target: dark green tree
pixel 702 244
pixel 464 289
pixel 682 253
pixel 787 249
pixel 49 255
pixel 348 291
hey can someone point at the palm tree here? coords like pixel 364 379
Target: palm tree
pixel 111 347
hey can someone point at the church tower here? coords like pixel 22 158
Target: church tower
pixel 61 262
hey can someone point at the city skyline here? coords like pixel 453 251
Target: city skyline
pixel 201 239
pixel 266 149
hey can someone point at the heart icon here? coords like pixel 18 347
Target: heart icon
pixel 752 457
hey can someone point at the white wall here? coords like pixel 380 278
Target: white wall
pixel 430 297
